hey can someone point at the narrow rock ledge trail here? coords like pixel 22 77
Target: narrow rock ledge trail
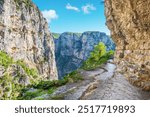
pixel 103 83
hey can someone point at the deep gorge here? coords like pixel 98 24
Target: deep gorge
pixel 72 49
pixel 28 53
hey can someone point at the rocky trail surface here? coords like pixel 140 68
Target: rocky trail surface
pixel 100 84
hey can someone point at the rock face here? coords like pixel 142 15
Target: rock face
pixel 74 48
pixel 129 22
pixel 24 35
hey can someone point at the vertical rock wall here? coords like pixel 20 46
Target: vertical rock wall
pixel 24 35
pixel 129 22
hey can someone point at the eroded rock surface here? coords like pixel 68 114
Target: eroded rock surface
pixel 24 35
pixel 129 22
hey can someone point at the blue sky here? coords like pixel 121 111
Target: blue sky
pixel 73 15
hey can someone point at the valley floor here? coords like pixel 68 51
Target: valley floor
pixel 100 84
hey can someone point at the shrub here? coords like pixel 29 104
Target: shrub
pixel 28 3
pixel 11 83
pixel 97 57
pixel 48 87
pixel 99 51
pixel 29 72
pixel 5 60
pixel 73 76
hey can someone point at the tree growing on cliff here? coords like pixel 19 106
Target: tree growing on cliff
pixel 99 51
pixel 98 56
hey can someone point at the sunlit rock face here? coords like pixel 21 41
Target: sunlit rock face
pixel 24 35
pixel 129 22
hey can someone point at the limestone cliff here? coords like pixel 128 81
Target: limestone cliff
pixel 24 35
pixel 129 22
pixel 72 49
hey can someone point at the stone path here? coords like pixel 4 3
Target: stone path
pixel 101 84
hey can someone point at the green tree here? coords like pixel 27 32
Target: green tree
pixel 99 51
pixel 98 56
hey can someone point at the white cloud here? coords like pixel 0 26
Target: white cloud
pixel 87 8
pixel 69 7
pixel 50 15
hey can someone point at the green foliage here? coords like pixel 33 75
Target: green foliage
pixel 10 86
pixel 72 77
pixel 98 57
pixel 18 1
pixel 111 52
pixel 32 94
pixel 28 3
pixel 37 94
pixel 99 51
pixel 12 89
pixel 29 72
pixel 5 60
pixel 55 35
pixel 48 87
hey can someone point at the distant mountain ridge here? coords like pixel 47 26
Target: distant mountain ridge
pixel 71 49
